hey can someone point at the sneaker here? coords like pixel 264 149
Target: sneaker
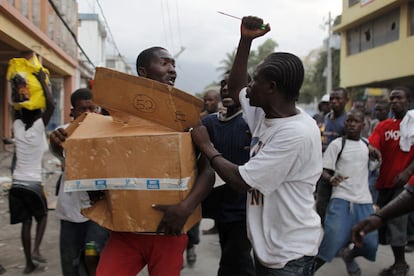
pixel 352 266
pixel 213 230
pixel 394 270
pixel 191 255
pixel 409 247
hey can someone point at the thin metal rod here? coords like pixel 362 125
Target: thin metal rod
pixel 229 15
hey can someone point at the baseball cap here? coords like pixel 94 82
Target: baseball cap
pixel 325 98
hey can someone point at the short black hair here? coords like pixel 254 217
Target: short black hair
pixel 79 95
pixel 343 89
pixel 407 91
pixel 287 71
pixel 144 58
pixel 356 112
pixel 383 102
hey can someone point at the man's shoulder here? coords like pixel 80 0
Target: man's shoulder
pixel 390 122
pixel 336 143
pixel 39 124
pixel 18 122
pixel 209 118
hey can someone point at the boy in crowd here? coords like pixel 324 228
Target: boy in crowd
pixel 76 231
pixel 231 136
pixel 345 166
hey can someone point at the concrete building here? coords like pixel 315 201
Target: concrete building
pixel 50 31
pixel 118 63
pixel 70 46
pixel 377 42
pixel 93 36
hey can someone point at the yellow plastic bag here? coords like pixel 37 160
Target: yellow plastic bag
pixel 27 91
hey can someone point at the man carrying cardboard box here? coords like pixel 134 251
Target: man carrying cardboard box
pixel 127 253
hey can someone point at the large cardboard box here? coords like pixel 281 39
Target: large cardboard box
pixel 126 97
pixel 139 158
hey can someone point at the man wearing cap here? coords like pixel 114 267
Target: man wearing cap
pixel 323 108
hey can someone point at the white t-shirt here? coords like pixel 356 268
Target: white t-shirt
pixel 353 163
pixel 285 165
pixel 30 147
pixel 69 204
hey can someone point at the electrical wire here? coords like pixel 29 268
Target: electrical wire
pixel 110 33
pixel 109 29
pixel 170 27
pixel 178 24
pixel 71 32
pixel 164 24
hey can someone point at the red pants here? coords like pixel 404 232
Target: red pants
pixel 126 254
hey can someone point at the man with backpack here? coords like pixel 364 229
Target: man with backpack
pixel 345 164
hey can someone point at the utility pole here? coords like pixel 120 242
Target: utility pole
pixel 329 57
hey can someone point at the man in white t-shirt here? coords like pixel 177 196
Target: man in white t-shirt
pixel 285 164
pixel 26 197
pixel 76 230
pixel 345 164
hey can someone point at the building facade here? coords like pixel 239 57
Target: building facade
pixel 377 42
pixel 49 29
pixel 93 36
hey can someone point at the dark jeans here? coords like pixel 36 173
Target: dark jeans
pixel 193 235
pixel 73 237
pixel 236 250
pixel 304 266
pixel 410 228
pixel 323 195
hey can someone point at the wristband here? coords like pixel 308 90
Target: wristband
pixel 213 157
pixel 379 216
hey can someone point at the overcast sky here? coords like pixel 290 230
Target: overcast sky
pixel 297 26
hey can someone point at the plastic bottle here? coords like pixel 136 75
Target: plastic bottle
pixel 90 249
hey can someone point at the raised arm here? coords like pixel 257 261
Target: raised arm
pixel 251 28
pixel 50 102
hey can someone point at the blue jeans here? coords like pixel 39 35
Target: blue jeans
pixel 341 216
pixel 304 266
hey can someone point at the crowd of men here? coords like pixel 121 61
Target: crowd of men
pixel 294 191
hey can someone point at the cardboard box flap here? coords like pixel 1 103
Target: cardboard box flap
pixel 105 126
pixel 121 93
pixel 74 124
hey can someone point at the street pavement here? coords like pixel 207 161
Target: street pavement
pixel 208 251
